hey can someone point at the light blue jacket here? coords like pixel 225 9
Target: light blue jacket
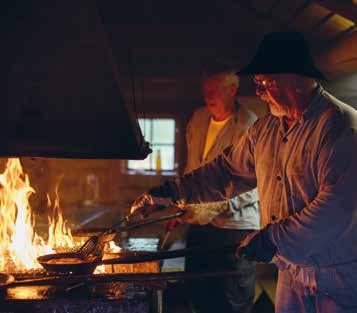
pixel 242 211
pixel 307 185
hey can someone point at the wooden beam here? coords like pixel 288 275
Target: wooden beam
pixel 342 34
pixel 344 8
pixel 340 57
pixel 321 22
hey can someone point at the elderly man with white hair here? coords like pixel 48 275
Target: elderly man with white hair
pixel 220 123
pixel 302 157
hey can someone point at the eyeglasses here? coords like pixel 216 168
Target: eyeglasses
pixel 264 84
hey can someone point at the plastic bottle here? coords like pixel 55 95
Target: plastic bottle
pixel 91 192
pixel 158 161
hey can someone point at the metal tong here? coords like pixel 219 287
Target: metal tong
pixel 95 244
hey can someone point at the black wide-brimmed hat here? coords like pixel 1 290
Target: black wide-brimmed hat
pixel 283 52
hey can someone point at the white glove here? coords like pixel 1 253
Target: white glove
pixel 203 213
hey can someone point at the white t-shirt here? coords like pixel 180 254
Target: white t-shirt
pixel 213 130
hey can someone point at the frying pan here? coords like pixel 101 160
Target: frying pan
pixel 86 266
pixel 127 257
pixel 6 279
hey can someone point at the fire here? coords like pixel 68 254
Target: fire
pixel 18 240
pixel 113 247
pixel 59 235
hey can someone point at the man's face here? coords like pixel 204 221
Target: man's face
pixel 277 91
pixel 218 95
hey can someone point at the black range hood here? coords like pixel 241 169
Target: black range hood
pixel 62 86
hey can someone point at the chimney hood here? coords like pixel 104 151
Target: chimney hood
pixel 63 97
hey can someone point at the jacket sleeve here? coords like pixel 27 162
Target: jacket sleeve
pixel 331 214
pixel 226 176
pixel 247 198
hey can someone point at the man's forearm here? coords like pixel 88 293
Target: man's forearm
pixel 212 182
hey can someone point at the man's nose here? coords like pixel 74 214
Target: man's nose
pixel 259 90
pixel 208 98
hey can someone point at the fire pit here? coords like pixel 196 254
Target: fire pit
pixel 105 297
pixel 20 246
pixel 98 293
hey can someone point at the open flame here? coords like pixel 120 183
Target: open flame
pixel 18 240
pixel 113 248
pixel 59 235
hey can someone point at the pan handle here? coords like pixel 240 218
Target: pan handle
pixel 154 256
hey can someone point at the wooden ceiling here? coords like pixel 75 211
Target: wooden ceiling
pixel 160 46
pixel 164 45
pixel 68 63
pixel 208 28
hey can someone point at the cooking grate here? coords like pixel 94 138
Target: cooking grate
pixel 35 273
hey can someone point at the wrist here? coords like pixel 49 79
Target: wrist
pixel 267 241
pixel 166 190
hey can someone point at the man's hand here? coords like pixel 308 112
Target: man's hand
pixel 146 200
pixel 164 195
pixel 257 247
pixel 144 205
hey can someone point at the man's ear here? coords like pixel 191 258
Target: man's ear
pixel 233 90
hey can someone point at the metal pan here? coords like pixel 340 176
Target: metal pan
pixel 128 257
pixel 82 267
pixel 6 279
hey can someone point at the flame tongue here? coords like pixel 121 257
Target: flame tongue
pixel 18 239
pixel 19 244
pixel 59 235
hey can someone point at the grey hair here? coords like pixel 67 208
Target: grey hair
pixel 231 78
pixel 228 77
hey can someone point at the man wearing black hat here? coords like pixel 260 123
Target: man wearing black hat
pixel 303 159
